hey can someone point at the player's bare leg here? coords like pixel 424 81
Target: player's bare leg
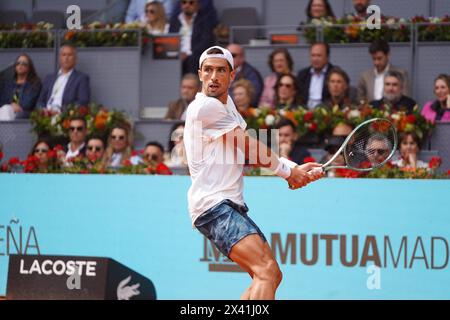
pixel 252 253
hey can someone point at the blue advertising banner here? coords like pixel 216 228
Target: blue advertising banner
pixel 334 239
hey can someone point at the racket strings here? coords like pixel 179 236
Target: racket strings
pixel 371 145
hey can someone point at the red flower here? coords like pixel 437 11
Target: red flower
pixel 435 162
pixel 1 156
pixel 163 169
pixel 58 147
pixel 31 164
pixel 313 126
pixel 51 154
pixel 448 172
pixel 346 173
pixel 32 158
pixel 411 118
pixel 308 116
pixel 4 168
pixel 365 165
pixel 309 159
pixel 83 111
pixel 14 161
pixel 134 153
pixel 30 168
pixel 390 165
pixel 127 163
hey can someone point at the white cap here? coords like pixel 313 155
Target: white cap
pixel 225 55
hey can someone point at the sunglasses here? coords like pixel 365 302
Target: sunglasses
pixel 380 152
pixel 40 150
pixel 80 129
pixel 23 63
pixel 152 157
pixel 150 11
pixel 190 2
pixel 287 85
pixel 118 137
pixel 94 148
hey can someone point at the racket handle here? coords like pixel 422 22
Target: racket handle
pixel 316 170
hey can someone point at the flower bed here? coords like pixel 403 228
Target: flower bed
pixel 322 119
pixel 351 29
pixel 55 125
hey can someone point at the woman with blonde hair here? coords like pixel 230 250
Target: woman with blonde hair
pixel 243 93
pixel 156 20
pixel 120 144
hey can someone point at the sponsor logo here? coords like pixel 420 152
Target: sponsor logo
pixel 125 292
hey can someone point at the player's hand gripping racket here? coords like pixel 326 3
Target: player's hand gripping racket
pixel 369 146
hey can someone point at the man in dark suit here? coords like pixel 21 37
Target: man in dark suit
pixel 245 70
pixel 312 80
pixel 68 86
pixel 393 96
pixel 196 27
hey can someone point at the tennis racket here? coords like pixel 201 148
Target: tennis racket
pixel 369 146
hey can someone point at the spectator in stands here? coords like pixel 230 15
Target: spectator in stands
pixel 287 92
pixel 196 28
pixel 393 97
pixel 119 147
pixel 312 80
pixel 154 157
pixel 371 82
pixel 155 22
pixel 206 5
pixel 19 95
pixel 360 7
pixel 244 70
pixel 342 130
pixel 95 148
pixel 242 93
pixel 341 94
pixel 409 148
pixel 190 84
pixel 177 151
pixel 153 153
pixel 136 10
pixel 77 135
pixel 280 62
pixel 41 150
pixel 68 86
pixel 377 149
pixel 439 109
pixel 333 143
pixel 318 9
pixel 289 145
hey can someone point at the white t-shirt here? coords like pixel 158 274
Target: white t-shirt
pixel 213 178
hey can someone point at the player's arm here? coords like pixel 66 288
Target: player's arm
pixel 259 154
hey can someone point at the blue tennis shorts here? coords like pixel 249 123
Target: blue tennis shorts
pixel 226 224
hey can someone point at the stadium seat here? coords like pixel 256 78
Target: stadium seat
pixel 246 16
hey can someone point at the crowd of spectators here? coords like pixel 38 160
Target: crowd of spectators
pixel 321 83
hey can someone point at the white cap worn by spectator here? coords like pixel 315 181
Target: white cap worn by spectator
pixel 225 55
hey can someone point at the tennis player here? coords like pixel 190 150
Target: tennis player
pixel 217 146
